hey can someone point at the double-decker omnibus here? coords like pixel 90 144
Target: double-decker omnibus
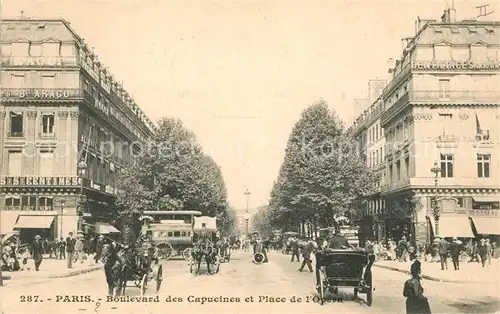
pixel 171 232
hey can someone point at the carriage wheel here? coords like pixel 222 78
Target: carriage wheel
pixel 187 254
pixel 159 278
pixel 165 250
pixel 369 296
pixel 144 284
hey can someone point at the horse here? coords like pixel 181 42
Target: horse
pixel 118 267
pixel 204 249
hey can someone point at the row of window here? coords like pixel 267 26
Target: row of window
pixel 172 234
pixel 16 125
pixel 375 133
pixel 33 49
pixel 29 201
pixel 483 165
pixel 376 157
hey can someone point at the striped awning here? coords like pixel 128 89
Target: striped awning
pixel 487 225
pixel 34 222
pixel 452 226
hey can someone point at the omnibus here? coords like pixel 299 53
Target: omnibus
pixel 171 232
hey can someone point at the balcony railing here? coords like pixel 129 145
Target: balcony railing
pixel 442 183
pixel 47 135
pixel 43 94
pixel 16 134
pixel 454 96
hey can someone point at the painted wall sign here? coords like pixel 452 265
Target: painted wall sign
pixel 454 65
pixel 39 181
pixel 32 61
pixel 34 94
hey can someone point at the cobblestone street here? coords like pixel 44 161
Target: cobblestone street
pixel 241 279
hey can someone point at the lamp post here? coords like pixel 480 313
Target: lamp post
pixel 82 168
pixel 247 214
pixel 62 201
pixel 436 212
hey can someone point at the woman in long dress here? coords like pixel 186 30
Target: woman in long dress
pixel 414 292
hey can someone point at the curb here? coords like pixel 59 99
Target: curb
pixel 77 272
pixel 431 278
pixel 70 274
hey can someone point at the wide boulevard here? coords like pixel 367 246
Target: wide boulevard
pixel 270 287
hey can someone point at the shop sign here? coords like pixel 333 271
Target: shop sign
pixel 454 65
pixel 39 181
pixel 95 186
pixel 485 212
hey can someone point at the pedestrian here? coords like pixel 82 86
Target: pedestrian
pixel 61 247
pixel 455 250
pixel 416 302
pixel 70 249
pixel 79 249
pixel 338 241
pixel 489 251
pixel 443 252
pixel 295 249
pixel 474 253
pixel 306 255
pixel 25 257
pixel 37 249
pixel 483 251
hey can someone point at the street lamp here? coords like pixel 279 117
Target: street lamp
pixel 436 212
pixel 62 217
pixel 82 168
pixel 247 218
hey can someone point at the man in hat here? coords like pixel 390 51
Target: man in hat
pixel 455 250
pixel 98 248
pixel 483 251
pixel 255 241
pixel 443 252
pixel 70 249
pixel 338 241
pixel 37 249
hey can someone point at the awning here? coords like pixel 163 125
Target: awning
pixel 487 199
pixel 34 222
pixel 104 228
pixel 7 221
pixel 453 226
pixel 487 225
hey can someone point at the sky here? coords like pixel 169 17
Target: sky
pixel 239 73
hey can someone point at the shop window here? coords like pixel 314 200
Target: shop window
pixel 12 201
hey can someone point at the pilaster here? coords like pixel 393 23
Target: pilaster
pixel 62 150
pixel 30 155
pixel 3 155
pixel 74 140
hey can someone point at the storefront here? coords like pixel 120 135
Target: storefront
pixel 450 226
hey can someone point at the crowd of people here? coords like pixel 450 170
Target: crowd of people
pixel 73 249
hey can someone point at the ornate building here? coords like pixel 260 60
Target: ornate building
pixel 440 119
pixel 67 127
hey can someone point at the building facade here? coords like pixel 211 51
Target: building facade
pixel 442 108
pixel 67 127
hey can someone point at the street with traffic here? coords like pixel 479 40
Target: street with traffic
pixel 240 287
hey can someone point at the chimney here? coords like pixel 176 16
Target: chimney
pixel 452 15
pixel 405 42
pixel 445 18
pixel 360 106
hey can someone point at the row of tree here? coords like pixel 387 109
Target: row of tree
pixel 323 176
pixel 173 173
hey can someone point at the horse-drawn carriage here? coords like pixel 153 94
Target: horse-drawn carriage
pixel 345 268
pixel 137 264
pixel 205 250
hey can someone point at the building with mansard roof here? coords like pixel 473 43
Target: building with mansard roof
pixel 67 127
pixel 439 111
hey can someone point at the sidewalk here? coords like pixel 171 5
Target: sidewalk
pixel 468 273
pixel 50 268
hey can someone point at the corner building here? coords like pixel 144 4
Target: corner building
pixel 60 108
pixel 443 106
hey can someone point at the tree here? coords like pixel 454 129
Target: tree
pixel 172 173
pixel 323 175
pixel 261 221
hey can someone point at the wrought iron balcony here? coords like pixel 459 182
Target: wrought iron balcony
pixel 16 134
pixel 454 96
